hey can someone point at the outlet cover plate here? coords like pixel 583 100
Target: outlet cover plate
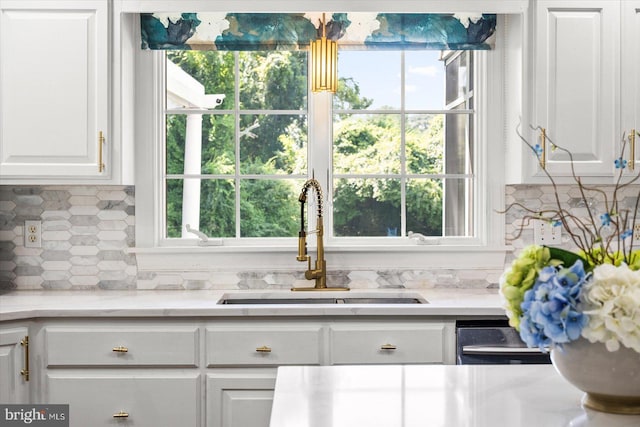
pixel 545 233
pixel 33 234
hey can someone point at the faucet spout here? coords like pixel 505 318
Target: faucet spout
pixel 319 273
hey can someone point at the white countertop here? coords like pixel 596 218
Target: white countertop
pixel 432 396
pixel 19 305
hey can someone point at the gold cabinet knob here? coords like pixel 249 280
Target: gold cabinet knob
pixel 121 414
pixel 387 347
pixel 120 349
pixel 263 349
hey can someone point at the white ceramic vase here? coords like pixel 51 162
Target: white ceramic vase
pixel 611 380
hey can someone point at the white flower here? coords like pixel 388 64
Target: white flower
pixel 467 19
pixel 613 306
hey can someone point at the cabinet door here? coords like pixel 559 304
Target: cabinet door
pixel 142 399
pixel 53 89
pixel 576 84
pixel 630 95
pixel 240 397
pixel 13 386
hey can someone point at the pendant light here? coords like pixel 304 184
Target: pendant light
pixel 324 63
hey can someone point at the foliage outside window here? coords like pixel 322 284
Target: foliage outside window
pixel 402 162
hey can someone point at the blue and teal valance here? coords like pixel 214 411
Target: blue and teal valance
pixel 294 31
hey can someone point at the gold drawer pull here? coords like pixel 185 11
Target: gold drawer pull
pixel 263 349
pixel 387 347
pixel 100 156
pixel 25 371
pixel 121 414
pixel 120 349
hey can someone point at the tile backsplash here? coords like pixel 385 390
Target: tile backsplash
pixel 86 231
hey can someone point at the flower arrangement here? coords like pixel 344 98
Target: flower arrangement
pixel 554 296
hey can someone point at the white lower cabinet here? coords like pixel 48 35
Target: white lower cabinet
pixel 14 383
pixel 240 397
pixel 141 399
pixel 242 356
pixel 195 373
pixel 384 343
pixel 263 344
pixel 123 372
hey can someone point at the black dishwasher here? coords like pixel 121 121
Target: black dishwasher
pixel 493 342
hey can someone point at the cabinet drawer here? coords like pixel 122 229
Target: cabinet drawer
pixel 122 347
pixel 359 344
pixel 270 345
pixel 142 400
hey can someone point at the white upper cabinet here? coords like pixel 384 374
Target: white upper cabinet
pixel 576 60
pixel 54 91
pixel 630 74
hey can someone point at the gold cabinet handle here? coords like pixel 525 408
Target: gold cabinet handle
pixel 388 347
pixel 263 349
pixel 100 159
pixel 632 150
pixel 25 371
pixel 121 414
pixel 120 349
pixel 543 148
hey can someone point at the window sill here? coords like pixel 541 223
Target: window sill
pixel 219 258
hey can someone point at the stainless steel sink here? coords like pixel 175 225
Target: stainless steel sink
pixel 271 298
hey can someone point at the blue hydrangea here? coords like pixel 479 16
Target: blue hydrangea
pixel 550 307
pixel 538 149
pixel 620 163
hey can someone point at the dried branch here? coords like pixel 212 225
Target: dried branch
pixel 602 238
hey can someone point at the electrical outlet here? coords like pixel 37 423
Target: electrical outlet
pixel 33 234
pixel 636 232
pixel 545 233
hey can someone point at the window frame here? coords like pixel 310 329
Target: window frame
pixel 237 177
pixel 402 112
pixel 486 250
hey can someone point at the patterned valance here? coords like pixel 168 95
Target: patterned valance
pixel 294 31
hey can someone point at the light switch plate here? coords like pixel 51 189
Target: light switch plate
pixel 545 233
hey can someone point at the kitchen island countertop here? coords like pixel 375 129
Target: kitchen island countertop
pixel 20 305
pixel 432 395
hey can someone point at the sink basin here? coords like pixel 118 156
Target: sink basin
pixel 344 298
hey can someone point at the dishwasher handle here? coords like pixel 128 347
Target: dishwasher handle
pixel 500 350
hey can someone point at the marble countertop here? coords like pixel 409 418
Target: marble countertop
pixel 432 395
pixel 19 305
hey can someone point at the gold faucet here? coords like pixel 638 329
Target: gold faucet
pixel 319 274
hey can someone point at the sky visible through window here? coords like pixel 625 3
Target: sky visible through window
pixel 378 75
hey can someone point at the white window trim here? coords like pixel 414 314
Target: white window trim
pixel 486 252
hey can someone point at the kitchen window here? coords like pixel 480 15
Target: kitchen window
pixel 405 173
pixel 399 160
pixel 235 143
